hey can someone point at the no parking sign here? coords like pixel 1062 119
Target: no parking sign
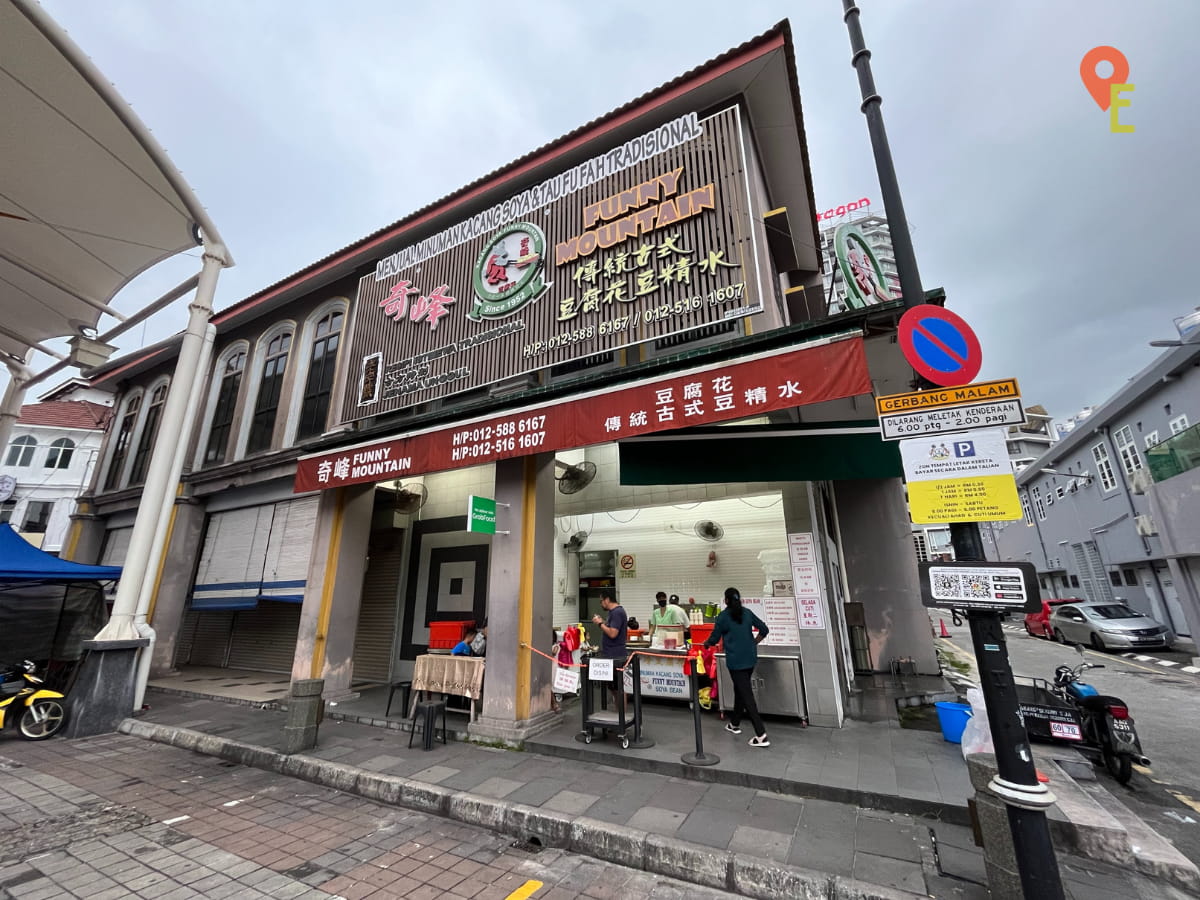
pixel 940 345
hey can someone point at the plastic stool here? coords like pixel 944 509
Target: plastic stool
pixel 426 713
pixel 405 686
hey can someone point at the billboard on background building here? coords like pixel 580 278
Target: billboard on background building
pixel 648 239
pixel 865 281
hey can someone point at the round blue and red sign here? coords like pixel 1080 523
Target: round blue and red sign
pixel 940 345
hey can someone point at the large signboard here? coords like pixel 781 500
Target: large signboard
pixel 703 396
pixel 649 239
pixel 960 478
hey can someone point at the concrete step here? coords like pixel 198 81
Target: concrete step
pixel 1153 855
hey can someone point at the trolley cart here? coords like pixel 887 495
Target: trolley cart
pixel 604 720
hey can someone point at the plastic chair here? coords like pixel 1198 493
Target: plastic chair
pixel 426 712
pixel 405 686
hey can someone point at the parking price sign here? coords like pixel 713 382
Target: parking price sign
pixel 963 477
pixel 983 404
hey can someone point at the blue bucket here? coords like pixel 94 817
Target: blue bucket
pixel 953 719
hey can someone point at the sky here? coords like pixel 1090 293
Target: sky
pixel 304 125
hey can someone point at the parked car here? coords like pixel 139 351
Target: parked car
pixel 1038 624
pixel 1108 626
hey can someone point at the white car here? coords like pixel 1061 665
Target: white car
pixel 1108 626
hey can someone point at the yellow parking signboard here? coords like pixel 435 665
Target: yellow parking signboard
pixel 960 478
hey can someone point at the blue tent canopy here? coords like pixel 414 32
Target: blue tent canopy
pixel 20 561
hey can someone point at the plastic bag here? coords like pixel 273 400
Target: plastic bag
pixel 977 736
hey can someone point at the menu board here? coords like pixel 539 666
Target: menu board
pixel 780 615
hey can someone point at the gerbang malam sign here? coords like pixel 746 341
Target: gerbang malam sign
pixel 703 397
pixel 646 240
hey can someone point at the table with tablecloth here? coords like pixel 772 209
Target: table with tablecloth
pixel 439 673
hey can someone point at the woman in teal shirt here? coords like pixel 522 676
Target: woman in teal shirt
pixel 735 627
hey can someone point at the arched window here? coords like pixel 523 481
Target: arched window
pixel 141 459
pixel 121 444
pixel 270 388
pixel 318 386
pixel 20 451
pixel 223 409
pixel 60 453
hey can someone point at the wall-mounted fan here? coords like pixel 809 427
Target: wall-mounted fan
pixel 575 478
pixel 576 541
pixel 709 530
pixel 410 497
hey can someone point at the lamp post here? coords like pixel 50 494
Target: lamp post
pixel 1016 782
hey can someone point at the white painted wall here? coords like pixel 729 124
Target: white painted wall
pixel 57 486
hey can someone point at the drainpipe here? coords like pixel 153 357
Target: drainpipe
pixel 174 431
pixel 159 548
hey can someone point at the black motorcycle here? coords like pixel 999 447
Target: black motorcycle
pixel 1070 711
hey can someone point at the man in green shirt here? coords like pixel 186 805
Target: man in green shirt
pixel 670 619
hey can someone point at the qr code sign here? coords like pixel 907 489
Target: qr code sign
pixel 946 586
pixel 976 588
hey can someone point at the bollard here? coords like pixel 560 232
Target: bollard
pixel 306 709
pixel 640 741
pixel 699 758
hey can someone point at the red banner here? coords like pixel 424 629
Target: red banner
pixel 719 393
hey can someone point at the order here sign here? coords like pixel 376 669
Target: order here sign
pixel 718 393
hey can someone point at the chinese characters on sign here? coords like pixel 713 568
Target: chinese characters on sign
pixel 716 394
pixel 662 241
pixel 806 580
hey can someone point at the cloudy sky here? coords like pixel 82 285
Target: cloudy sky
pixel 304 125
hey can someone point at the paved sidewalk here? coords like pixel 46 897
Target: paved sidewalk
pixel 740 838
pixel 117 817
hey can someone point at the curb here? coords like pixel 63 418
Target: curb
pixel 738 873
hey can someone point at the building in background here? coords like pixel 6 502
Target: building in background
pixel 49 460
pixel 1112 509
pixel 1032 438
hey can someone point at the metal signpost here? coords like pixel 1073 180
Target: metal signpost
pixel 943 358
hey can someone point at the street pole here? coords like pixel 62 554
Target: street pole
pixel 893 206
pixel 1016 780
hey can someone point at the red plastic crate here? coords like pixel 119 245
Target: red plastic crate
pixel 701 633
pixel 444 635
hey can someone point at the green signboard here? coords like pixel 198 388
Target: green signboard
pixel 481 514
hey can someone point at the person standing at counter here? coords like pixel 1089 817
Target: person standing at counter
pixel 614 631
pixel 670 619
pixel 735 626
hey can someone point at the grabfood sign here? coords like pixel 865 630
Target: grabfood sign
pixel 645 240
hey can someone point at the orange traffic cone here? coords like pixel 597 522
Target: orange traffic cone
pixel 944 633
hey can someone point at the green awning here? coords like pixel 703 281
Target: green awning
pixel 830 451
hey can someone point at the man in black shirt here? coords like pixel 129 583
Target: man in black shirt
pixel 613 633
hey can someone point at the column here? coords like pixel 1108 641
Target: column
pixel 85 537
pixel 173 586
pixel 336 566
pixel 517 687
pixel 881 570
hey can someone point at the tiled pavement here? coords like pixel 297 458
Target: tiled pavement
pixel 115 817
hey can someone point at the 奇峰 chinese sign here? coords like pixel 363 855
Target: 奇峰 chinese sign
pixel 648 239
pixel 704 396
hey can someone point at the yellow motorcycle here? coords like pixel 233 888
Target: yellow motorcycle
pixel 41 710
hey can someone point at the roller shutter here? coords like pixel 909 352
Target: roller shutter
pixel 264 639
pixel 231 564
pixel 377 609
pixel 285 567
pixel 209 644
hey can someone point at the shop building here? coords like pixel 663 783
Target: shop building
pixel 1110 507
pixel 622 335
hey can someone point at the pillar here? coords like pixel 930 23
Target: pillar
pixel 336 566
pixel 517 687
pixel 85 537
pixel 818 647
pixel 881 570
pixel 173 582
